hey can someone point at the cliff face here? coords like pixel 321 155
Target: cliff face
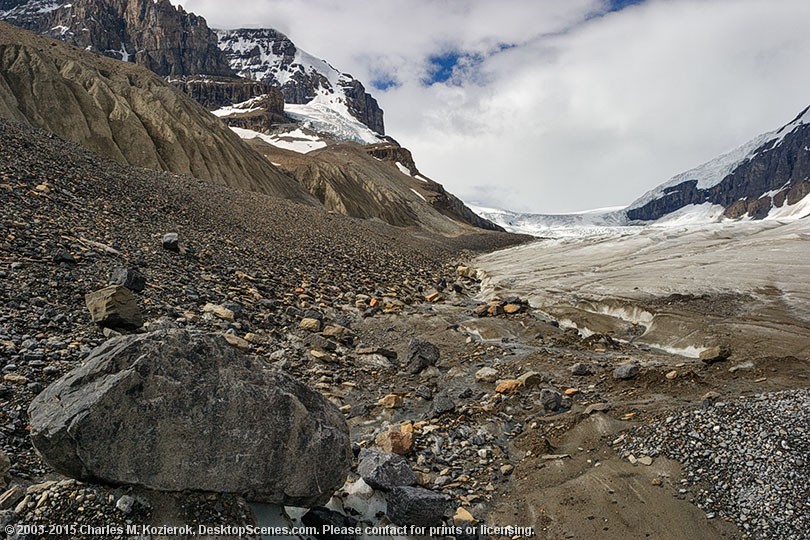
pixel 151 33
pixel 127 113
pixel 268 55
pixel 217 92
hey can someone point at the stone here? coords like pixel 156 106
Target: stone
pixel 335 331
pixel 176 411
pixel 442 403
pixel 384 471
pixel 463 516
pixel 625 372
pixel 645 460
pixel 597 407
pixel 317 341
pixel 391 401
pixel 745 366
pixel 580 370
pixel 715 354
pixel 513 309
pixel 435 296
pixel 171 241
pixel 550 399
pixel 220 311
pixel 507 469
pixel 416 506
pixel 395 442
pixel 421 354
pixel 672 375
pixel 324 519
pixel 130 278
pixel 11 497
pixel 508 386
pixel 236 341
pixel 486 374
pixel 114 307
pixel 63 257
pixel 310 325
pixel 531 378
pixel 15 379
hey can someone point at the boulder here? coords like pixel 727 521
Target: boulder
pixel 416 506
pixel 384 471
pixel 114 307
pixel 421 354
pixel 175 411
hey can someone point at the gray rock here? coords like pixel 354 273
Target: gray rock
pixel 114 307
pixel 627 371
pixel 416 506
pixel 442 403
pixel 384 471
pixel 171 241
pixel 421 354
pixel 130 278
pixel 580 370
pixel 175 411
pixel 550 399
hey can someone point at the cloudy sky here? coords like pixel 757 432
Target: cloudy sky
pixel 557 105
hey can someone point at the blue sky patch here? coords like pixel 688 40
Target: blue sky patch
pixel 618 5
pixel 384 83
pixel 441 67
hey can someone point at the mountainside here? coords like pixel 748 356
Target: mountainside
pixel 368 181
pixel 269 56
pixel 125 112
pixel 764 177
pixel 152 33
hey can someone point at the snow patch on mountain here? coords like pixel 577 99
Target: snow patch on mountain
pixel 327 115
pixel 295 140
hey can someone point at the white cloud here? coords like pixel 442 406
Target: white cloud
pixel 579 113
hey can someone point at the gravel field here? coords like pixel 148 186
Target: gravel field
pixel 744 459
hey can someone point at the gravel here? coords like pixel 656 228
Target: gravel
pixel 747 460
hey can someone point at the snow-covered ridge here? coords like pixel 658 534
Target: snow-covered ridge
pixel 714 171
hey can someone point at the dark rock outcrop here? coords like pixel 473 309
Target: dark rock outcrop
pixel 152 33
pixel 176 411
pixel 217 92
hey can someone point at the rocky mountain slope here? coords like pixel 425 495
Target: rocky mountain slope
pixel 269 56
pixel 377 181
pixel 763 177
pixel 152 33
pixel 125 112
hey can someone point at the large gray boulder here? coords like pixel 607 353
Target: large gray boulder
pixel 175 411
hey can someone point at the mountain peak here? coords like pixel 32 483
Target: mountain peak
pixel 267 55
